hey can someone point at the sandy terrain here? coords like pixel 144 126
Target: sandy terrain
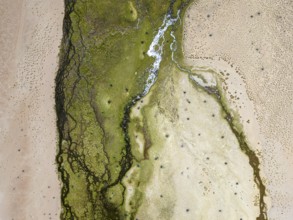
pixel 30 34
pixel 249 44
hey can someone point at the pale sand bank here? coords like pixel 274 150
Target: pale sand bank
pixel 199 171
pixel 250 42
pixel 30 34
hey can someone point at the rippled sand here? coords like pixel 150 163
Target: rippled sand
pixel 30 34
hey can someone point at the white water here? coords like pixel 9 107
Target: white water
pixel 156 51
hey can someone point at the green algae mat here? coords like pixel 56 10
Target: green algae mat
pixel 112 53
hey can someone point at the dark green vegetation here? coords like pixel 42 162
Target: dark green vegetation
pixel 103 67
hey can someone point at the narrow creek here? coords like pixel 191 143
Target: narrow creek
pixel 156 50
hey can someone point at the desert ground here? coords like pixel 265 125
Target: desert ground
pixel 30 35
pixel 249 44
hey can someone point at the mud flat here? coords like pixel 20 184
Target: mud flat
pixel 248 44
pixel 142 136
pixel 30 35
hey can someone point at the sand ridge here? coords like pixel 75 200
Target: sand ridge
pixel 31 33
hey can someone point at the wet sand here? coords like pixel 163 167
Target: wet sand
pixel 248 43
pixel 30 35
